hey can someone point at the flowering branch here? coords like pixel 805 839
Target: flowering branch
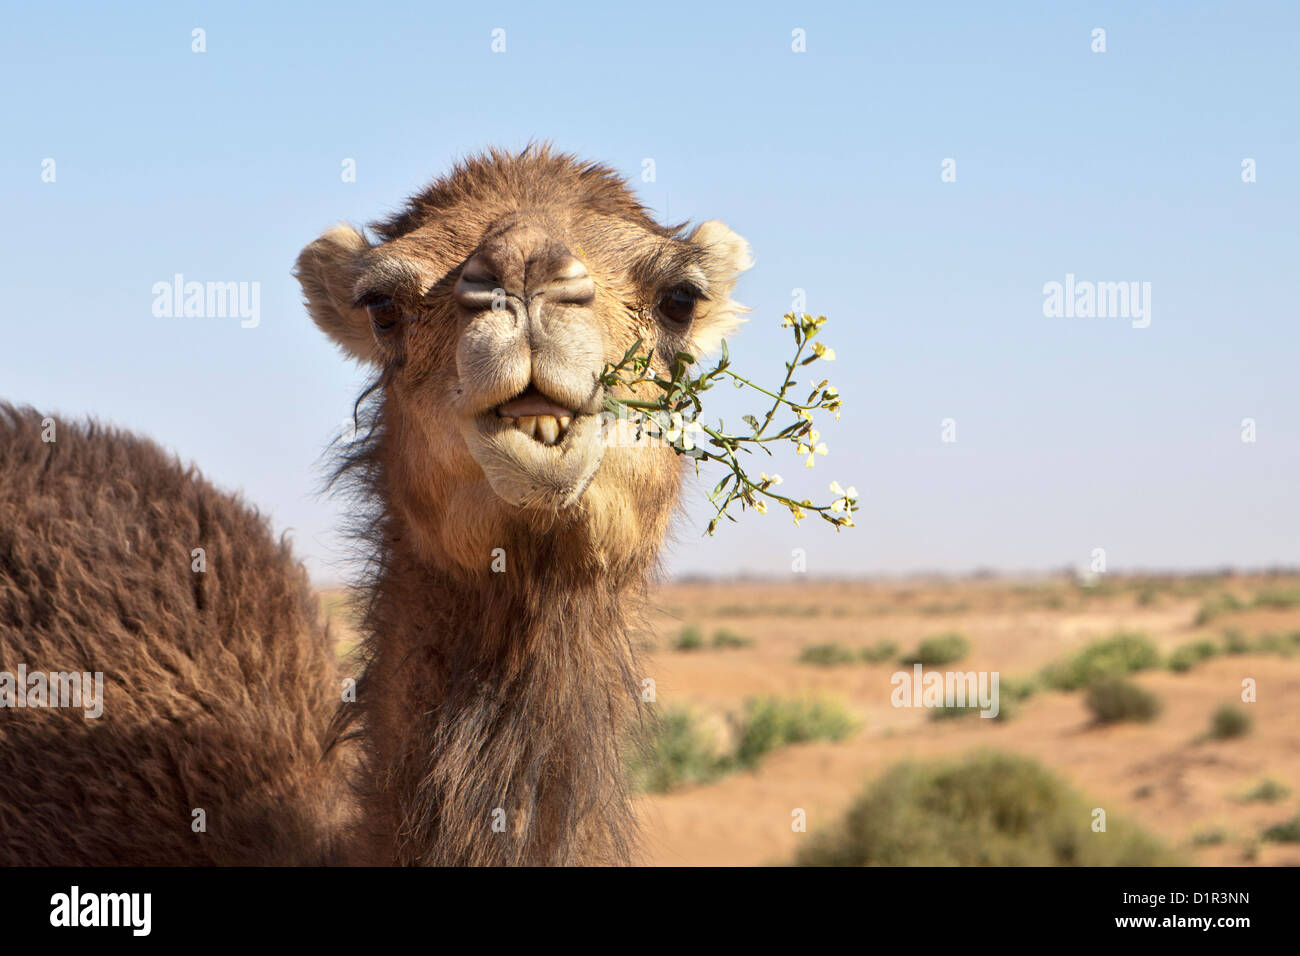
pixel 673 408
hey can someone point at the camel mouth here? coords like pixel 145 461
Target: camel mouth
pixel 541 469
pixel 537 416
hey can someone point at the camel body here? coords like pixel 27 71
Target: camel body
pixel 217 685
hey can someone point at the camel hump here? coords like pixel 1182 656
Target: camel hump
pixel 165 675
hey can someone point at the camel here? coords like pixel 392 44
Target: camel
pixel 507 547
pixel 216 684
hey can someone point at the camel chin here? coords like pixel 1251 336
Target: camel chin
pixel 530 463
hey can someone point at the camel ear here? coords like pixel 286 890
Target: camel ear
pixel 327 270
pixel 729 256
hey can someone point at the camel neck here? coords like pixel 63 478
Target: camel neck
pixel 492 707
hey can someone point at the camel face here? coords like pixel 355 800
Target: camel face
pixel 530 351
pixel 489 308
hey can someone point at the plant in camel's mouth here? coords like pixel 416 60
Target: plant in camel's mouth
pixel 668 408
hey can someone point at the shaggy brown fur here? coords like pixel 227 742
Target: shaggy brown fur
pixel 217 685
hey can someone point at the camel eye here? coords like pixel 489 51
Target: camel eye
pixel 678 304
pixel 383 313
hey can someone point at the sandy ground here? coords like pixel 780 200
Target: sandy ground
pixel 1164 775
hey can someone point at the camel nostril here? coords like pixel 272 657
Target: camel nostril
pixel 524 262
pixel 567 282
pixel 573 269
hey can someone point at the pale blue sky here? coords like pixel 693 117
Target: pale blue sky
pixel 1072 433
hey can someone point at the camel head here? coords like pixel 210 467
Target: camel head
pixel 489 307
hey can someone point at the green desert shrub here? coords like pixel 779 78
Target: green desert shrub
pixel 725 639
pixel 770 610
pixel 1211 837
pixel 1235 642
pixel 1018 688
pixel 1268 791
pixel 879 652
pixel 1121 653
pixel 1116 699
pixel 987 809
pixel 938 608
pixel 1288 831
pixel 1284 644
pixel 951 713
pixel 772 722
pixel 670 750
pixel 1229 722
pixel 826 655
pixel 1189 655
pixel 1277 599
pixel 1221 604
pixel 1036 597
pixel 1012 692
pixel 690 639
pixel 939 649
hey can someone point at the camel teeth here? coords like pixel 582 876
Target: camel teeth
pixel 564 422
pixel 548 429
pixel 527 424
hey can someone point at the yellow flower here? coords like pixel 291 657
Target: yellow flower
pixel 797 514
pixel 824 353
pixel 836 489
pixel 802 449
pixel 760 507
